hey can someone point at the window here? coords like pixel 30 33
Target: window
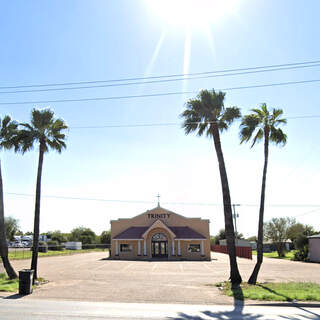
pixel 159 237
pixel 194 248
pixel 124 247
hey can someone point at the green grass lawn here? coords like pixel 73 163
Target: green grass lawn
pixel 26 254
pixel 274 254
pixel 8 285
pixel 300 291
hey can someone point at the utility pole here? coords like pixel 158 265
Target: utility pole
pixel 235 216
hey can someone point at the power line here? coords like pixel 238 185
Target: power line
pixel 166 124
pixel 158 94
pixel 305 213
pixel 167 203
pixel 159 81
pixel 162 76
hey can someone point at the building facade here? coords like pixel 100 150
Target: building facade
pixel 160 234
pixel 314 248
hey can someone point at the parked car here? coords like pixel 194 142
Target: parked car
pixel 26 244
pixel 18 245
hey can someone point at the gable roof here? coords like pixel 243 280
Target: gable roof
pixel 132 233
pixel 159 224
pixel 186 233
pixel 136 233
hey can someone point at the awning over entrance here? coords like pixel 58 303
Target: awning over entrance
pixel 182 233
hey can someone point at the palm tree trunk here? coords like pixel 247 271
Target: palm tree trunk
pixel 235 277
pixel 3 241
pixel 36 228
pixel 255 272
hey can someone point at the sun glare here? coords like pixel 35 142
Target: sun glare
pixel 192 13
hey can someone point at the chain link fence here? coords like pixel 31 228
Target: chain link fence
pixel 25 252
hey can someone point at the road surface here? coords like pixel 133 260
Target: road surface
pixel 25 309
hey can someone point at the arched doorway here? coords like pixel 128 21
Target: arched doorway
pixel 159 245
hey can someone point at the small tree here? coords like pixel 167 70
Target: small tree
pixel 277 231
pixel 105 237
pixel 85 235
pixel 222 236
pixel 57 235
pixel 253 238
pixel 12 227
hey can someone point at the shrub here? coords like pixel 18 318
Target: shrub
pixel 301 254
pixel 88 246
pixel 55 246
pixel 43 247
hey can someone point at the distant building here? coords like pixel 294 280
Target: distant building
pixel 238 242
pixel 73 245
pixel 160 233
pixel 314 248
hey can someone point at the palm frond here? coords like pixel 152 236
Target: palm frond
pixel 41 119
pixel 264 109
pixel 43 129
pixel 202 127
pixel 259 113
pixel 248 125
pixel 230 114
pixel 8 133
pixel 276 120
pixel 206 111
pixel 278 136
pixel 56 145
pixel 264 119
pixel 26 139
pixel 258 137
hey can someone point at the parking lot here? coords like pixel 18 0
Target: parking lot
pixel 92 277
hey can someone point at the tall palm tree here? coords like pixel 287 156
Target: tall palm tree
pixel 8 140
pixel 207 114
pixel 45 131
pixel 262 124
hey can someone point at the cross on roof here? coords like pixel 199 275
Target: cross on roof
pixel 158 196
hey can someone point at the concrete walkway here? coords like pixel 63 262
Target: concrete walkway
pixel 91 277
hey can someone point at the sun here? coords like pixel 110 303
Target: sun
pixel 192 13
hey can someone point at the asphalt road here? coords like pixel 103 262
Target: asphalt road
pixel 21 309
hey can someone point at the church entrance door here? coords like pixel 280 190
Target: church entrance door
pixel 159 246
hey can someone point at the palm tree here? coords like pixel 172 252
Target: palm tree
pixel 262 124
pixel 207 114
pixel 46 132
pixel 8 140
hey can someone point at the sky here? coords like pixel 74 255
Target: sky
pixel 116 171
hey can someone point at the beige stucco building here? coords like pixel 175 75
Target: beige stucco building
pixel 160 234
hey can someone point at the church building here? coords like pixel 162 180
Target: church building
pixel 160 234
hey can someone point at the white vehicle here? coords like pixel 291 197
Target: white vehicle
pixel 26 244
pixel 18 245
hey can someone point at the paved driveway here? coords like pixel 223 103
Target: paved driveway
pixel 91 277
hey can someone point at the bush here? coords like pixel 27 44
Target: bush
pixel 301 254
pixel 55 246
pixel 43 247
pixel 88 246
